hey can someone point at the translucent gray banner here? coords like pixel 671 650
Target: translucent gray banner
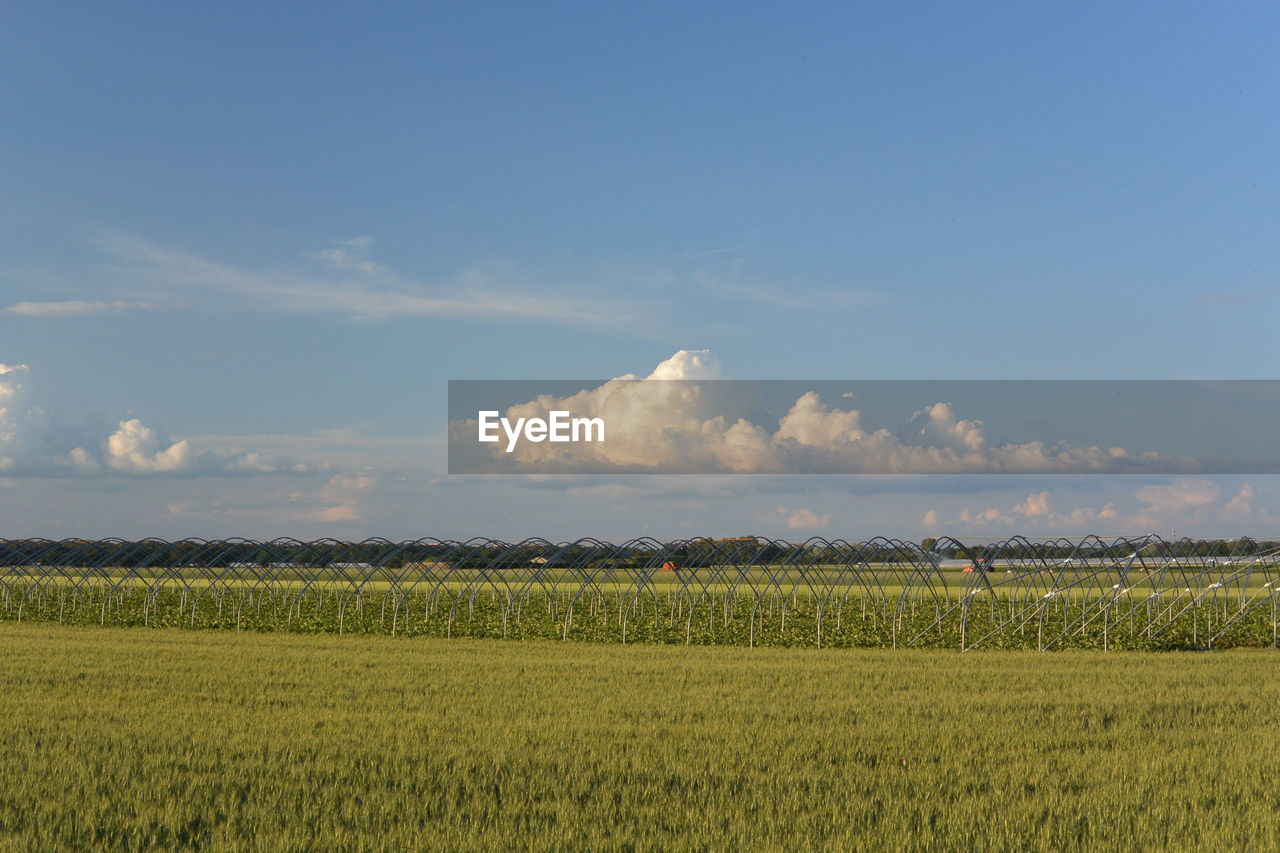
pixel 722 426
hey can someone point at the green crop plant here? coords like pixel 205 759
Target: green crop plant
pixel 187 740
pixel 793 616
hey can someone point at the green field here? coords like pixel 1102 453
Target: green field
pixel 214 740
pixel 1037 615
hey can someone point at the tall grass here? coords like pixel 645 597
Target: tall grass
pixel 195 740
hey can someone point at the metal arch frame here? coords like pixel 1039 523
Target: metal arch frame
pixel 1147 581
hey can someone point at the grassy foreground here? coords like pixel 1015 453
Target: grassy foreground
pixel 179 739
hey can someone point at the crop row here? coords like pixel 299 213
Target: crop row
pixel 803 620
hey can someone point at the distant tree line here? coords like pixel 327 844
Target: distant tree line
pixel 584 554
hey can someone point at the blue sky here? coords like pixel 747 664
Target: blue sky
pixel 278 230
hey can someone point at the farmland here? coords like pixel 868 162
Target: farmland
pixel 188 739
pixel 789 615
pixel 1144 594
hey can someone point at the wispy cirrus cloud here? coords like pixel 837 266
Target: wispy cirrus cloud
pixel 345 279
pixel 350 254
pixel 342 279
pixel 74 308
pixel 790 297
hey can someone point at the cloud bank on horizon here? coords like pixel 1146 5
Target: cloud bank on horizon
pixel 31 447
pixel 379 486
pixel 667 422
pixel 1200 503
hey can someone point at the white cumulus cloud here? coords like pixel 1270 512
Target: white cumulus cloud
pixel 135 448
pixel 19 421
pixel 28 447
pixel 803 519
pixel 681 427
pixel 338 500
